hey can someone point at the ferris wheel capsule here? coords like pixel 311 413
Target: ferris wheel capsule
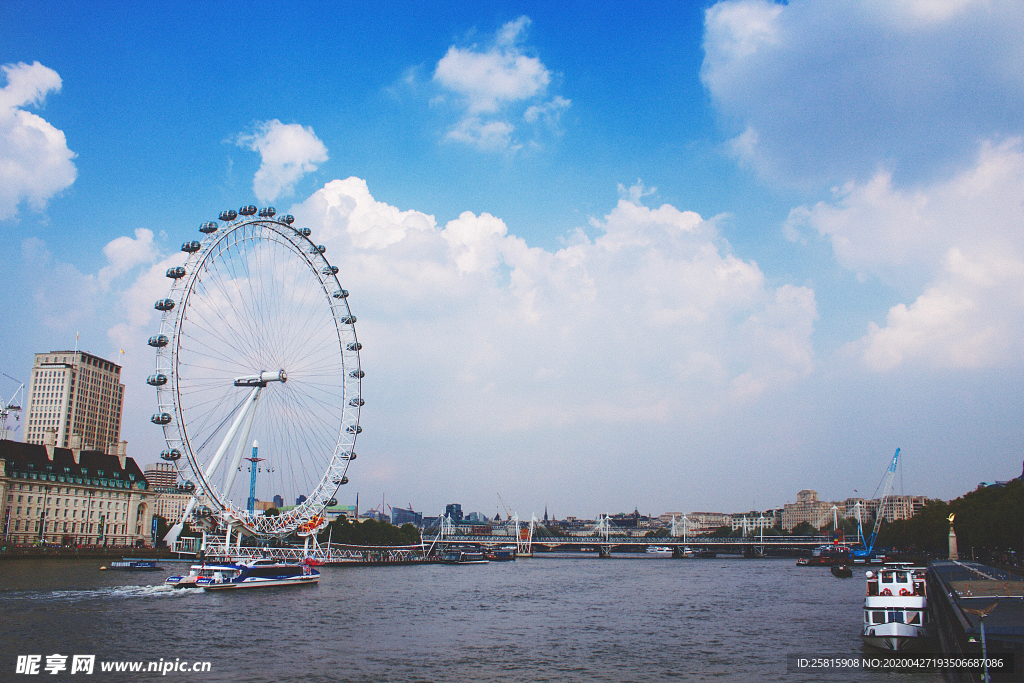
pixel 247 210
pixel 228 215
pixel 268 212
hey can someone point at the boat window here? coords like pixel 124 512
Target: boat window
pixel 867 616
pixel 901 577
pixel 913 617
pixel 896 616
pixel 878 617
pixel 887 577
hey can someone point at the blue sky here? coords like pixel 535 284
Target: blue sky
pixel 715 253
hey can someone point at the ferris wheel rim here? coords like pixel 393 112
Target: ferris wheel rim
pixel 175 315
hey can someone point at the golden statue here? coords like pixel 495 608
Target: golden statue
pixel 950 518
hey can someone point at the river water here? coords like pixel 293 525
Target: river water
pixel 549 618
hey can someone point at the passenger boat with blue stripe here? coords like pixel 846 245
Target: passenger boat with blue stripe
pixel 262 573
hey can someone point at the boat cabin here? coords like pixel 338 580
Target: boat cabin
pixel 896 594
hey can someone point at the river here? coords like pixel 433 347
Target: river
pixel 549 618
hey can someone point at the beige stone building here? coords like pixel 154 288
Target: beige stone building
pixel 807 508
pixel 72 496
pixel 74 392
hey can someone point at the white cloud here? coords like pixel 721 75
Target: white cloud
pixel 958 242
pixel 487 82
pixel 288 152
pixel 35 162
pixel 124 253
pixel 486 136
pixel 631 326
pixel 825 92
pixel 549 112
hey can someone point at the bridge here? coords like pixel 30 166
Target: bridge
pixel 601 539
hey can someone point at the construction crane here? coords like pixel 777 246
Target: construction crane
pixel 508 515
pixel 868 545
pixel 10 406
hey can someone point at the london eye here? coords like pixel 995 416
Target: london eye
pixel 257 343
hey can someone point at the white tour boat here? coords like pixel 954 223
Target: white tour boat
pixel 262 573
pixel 896 607
pixel 660 550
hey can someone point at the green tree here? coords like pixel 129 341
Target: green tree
pixel 162 527
pixel 990 518
pixel 804 529
pixel 927 531
pixel 368 532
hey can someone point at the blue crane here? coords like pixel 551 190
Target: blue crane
pixel 868 545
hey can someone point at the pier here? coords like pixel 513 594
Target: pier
pixel 978 609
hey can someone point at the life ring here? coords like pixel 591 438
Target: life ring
pixel 886 591
pixel 904 591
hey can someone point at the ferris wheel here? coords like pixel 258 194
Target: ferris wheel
pixel 257 344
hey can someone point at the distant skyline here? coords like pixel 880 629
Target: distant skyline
pixel 666 257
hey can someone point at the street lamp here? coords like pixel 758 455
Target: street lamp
pixel 981 613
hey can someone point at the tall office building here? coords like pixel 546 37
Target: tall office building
pixel 162 475
pixel 74 392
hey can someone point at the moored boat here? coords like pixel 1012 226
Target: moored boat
pixel 841 571
pixel 463 557
pixel 659 550
pixel 501 555
pixel 136 565
pixel 895 607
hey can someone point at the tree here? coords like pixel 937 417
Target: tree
pixel 162 527
pixel 368 532
pixel 804 529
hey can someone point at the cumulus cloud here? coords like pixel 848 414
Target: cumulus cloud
pixel 487 82
pixel 124 253
pixel 820 92
pixel 958 242
pixel 35 162
pixel 287 152
pixel 633 325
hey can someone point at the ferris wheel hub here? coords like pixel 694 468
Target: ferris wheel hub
pixel 261 379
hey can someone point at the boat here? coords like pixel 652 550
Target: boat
pixel 705 554
pixel 195 571
pixel 501 555
pixel 136 565
pixel 828 555
pixel 261 573
pixel 659 550
pixel 841 571
pixel 896 608
pixel 463 557
pixel 802 562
